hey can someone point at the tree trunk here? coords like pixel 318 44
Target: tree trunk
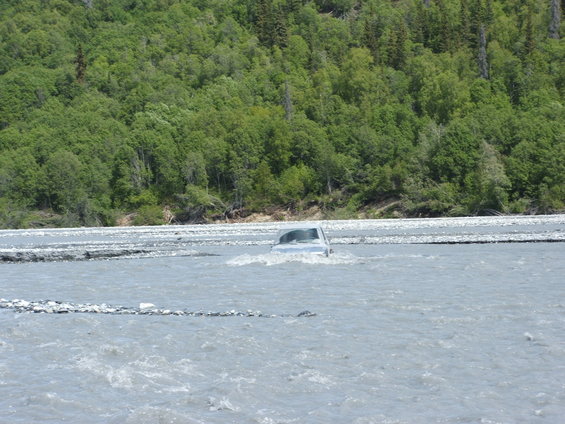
pixel 287 102
pixel 483 61
pixel 555 20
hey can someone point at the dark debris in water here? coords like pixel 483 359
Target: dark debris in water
pixel 22 256
pixel 59 307
pixel 95 254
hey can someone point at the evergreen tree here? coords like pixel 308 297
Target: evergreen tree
pixel 477 19
pixel 397 55
pixel 294 6
pixel 370 38
pixel 280 28
pixel 530 42
pixel 264 22
pixel 488 17
pixel 465 34
pixel 445 33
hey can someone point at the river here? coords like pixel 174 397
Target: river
pixel 452 320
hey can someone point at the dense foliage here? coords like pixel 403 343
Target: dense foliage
pixel 214 107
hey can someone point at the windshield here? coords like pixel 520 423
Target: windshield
pixel 300 236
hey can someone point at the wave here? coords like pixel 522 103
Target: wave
pixel 271 259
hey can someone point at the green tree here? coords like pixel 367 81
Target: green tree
pixel 357 77
pixel 266 188
pixel 456 155
pixel 63 186
pixel 20 177
pixel 295 183
pixel 490 182
pixel 443 96
pixel 22 90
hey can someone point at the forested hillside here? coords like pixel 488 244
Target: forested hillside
pixel 210 108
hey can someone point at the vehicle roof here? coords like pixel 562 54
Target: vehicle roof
pixel 299 226
pixel 306 226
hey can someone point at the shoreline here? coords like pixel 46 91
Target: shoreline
pixel 45 219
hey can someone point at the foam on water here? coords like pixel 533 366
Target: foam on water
pixel 121 369
pixel 272 259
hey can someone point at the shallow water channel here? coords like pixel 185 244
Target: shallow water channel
pixel 458 320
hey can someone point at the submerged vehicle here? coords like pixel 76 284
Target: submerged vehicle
pixel 302 239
